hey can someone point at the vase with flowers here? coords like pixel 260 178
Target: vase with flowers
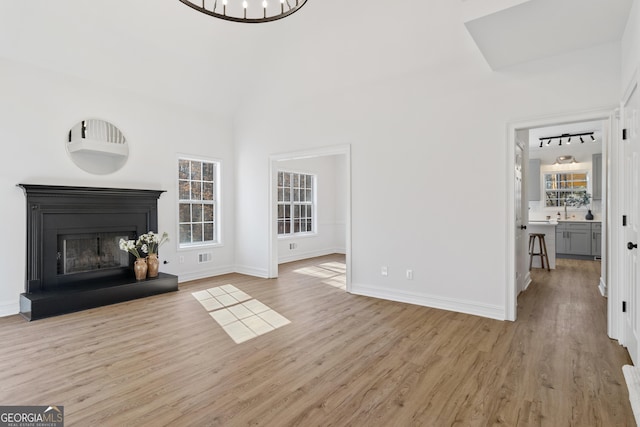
pixel 140 264
pixel 151 242
pixel 579 199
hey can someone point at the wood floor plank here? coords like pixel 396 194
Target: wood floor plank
pixel 344 360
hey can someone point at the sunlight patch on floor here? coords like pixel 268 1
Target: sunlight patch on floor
pixel 333 272
pixel 239 315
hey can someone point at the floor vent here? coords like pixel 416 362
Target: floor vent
pixel 205 257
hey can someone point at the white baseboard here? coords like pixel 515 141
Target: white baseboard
pixel 252 271
pixel 9 308
pixel 310 254
pixel 603 287
pixel 203 274
pixel 457 305
pixel 527 281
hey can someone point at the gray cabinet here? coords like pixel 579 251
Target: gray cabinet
pixel 573 238
pixel 596 239
pixel 596 174
pixel 533 180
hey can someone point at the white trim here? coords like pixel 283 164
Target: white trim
pixel 426 300
pixel 511 293
pixel 252 271
pixel 309 254
pixel 339 150
pixel 9 308
pixel 602 287
pixel 205 274
pixel 527 281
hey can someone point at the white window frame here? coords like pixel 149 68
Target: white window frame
pixel 216 202
pixel 312 203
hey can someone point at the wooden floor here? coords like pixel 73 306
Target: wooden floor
pixel 345 360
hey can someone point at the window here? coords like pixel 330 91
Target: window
pixel 197 202
pixel 559 186
pixel 295 203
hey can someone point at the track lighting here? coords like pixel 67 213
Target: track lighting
pixel 566 135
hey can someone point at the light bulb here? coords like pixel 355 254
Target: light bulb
pixel 245 4
pixel 264 3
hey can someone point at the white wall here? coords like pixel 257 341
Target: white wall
pixel 428 167
pixel 38 107
pixel 331 209
pixel 630 46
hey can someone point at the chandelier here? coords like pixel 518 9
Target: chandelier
pixel 250 11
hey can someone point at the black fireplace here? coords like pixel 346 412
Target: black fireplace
pixel 73 257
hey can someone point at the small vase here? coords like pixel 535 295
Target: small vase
pixel 140 268
pixel 152 265
pixel 589 215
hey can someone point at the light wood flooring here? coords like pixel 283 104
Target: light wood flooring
pixel 344 360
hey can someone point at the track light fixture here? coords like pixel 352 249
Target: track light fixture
pixel 566 135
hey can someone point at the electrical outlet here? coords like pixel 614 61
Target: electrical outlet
pixel 409 274
pixel 384 271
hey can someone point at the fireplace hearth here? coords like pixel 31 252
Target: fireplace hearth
pixel 73 258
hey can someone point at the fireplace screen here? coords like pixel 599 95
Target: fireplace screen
pixel 79 253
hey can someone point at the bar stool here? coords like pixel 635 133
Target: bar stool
pixel 543 250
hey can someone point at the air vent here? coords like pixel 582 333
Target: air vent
pixel 205 257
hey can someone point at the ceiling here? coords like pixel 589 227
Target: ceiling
pixel 166 50
pixel 541 28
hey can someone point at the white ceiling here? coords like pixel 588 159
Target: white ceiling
pixel 541 28
pixel 166 50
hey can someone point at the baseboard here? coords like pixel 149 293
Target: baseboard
pixel 310 254
pixel 203 274
pixel 252 271
pixel 9 308
pixel 603 288
pixel 457 305
pixel 527 281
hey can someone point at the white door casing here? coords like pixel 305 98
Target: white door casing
pixel 521 213
pixel 631 210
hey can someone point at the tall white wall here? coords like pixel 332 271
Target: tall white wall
pixel 428 166
pixel 37 109
pixel 631 46
pixel 331 209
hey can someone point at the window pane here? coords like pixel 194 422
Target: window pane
pixel 196 170
pixel 287 211
pixel 308 196
pixel 207 171
pixel 207 191
pixel 309 225
pixel 280 227
pixel 296 211
pixel 296 180
pixel 183 169
pixel 196 190
pixel 185 233
pixel 183 190
pixel 309 182
pixel 208 231
pixel 287 227
pixel 296 195
pixel 280 179
pixel 296 228
pixel 185 212
pixel 287 179
pixel 208 213
pixel 196 232
pixel 287 195
pixel 196 213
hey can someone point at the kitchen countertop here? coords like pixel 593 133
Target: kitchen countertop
pixel 555 222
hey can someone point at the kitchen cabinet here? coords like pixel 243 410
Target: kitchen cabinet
pixel 573 238
pixel 533 180
pixel 596 239
pixel 596 174
pixel 579 238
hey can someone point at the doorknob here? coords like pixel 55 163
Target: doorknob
pixel 630 245
pixel 523 227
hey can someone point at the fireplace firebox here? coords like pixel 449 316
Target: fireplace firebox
pixel 73 257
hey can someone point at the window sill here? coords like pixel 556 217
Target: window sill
pixel 297 236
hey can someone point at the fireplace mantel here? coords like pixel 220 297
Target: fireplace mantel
pixel 55 211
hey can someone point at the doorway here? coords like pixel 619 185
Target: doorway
pixel 514 240
pixel 335 164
